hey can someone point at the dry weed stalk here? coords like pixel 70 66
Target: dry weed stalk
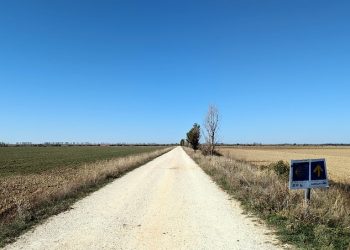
pixel 262 190
pixel 19 195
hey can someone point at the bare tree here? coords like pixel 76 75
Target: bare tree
pixel 211 125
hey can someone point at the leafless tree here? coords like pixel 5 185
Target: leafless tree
pixel 211 125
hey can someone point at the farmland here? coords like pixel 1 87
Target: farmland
pixel 36 182
pixel 30 160
pixel 252 175
pixel 338 158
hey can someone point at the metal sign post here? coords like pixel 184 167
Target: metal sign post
pixel 307 198
pixel 307 174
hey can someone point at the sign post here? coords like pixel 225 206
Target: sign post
pixel 307 174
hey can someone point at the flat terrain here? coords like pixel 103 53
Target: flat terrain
pixel 30 160
pixel 34 178
pixel 338 158
pixel 169 203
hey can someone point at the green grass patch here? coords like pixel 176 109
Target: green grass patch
pixel 29 160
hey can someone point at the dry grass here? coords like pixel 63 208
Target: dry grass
pixel 326 225
pixel 22 195
pixel 338 158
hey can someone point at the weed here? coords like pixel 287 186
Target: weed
pixel 264 191
pixel 26 200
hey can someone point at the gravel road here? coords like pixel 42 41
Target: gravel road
pixel 169 203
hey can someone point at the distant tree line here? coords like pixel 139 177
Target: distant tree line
pixel 69 144
pixel 282 144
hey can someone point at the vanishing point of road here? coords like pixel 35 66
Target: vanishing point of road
pixel 168 203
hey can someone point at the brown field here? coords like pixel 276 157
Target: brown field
pixel 20 193
pixel 338 158
pixel 25 197
pixel 325 224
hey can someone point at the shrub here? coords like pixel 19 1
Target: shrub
pixel 281 168
pixel 205 149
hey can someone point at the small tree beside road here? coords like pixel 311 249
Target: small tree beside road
pixel 193 136
pixel 211 125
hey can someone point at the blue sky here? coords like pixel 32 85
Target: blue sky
pixel 145 71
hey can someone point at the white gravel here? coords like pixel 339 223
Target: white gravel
pixel 169 203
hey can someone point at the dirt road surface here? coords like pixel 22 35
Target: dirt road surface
pixel 169 203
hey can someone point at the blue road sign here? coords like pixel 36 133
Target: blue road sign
pixel 310 173
pixel 300 171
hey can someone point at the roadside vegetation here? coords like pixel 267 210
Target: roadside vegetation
pixel 263 190
pixel 211 128
pixel 57 180
pixel 211 125
pixel 193 136
pixel 338 157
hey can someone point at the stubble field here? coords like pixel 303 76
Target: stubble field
pixel 36 182
pixel 338 158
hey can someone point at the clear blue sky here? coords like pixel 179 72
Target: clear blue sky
pixel 145 71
